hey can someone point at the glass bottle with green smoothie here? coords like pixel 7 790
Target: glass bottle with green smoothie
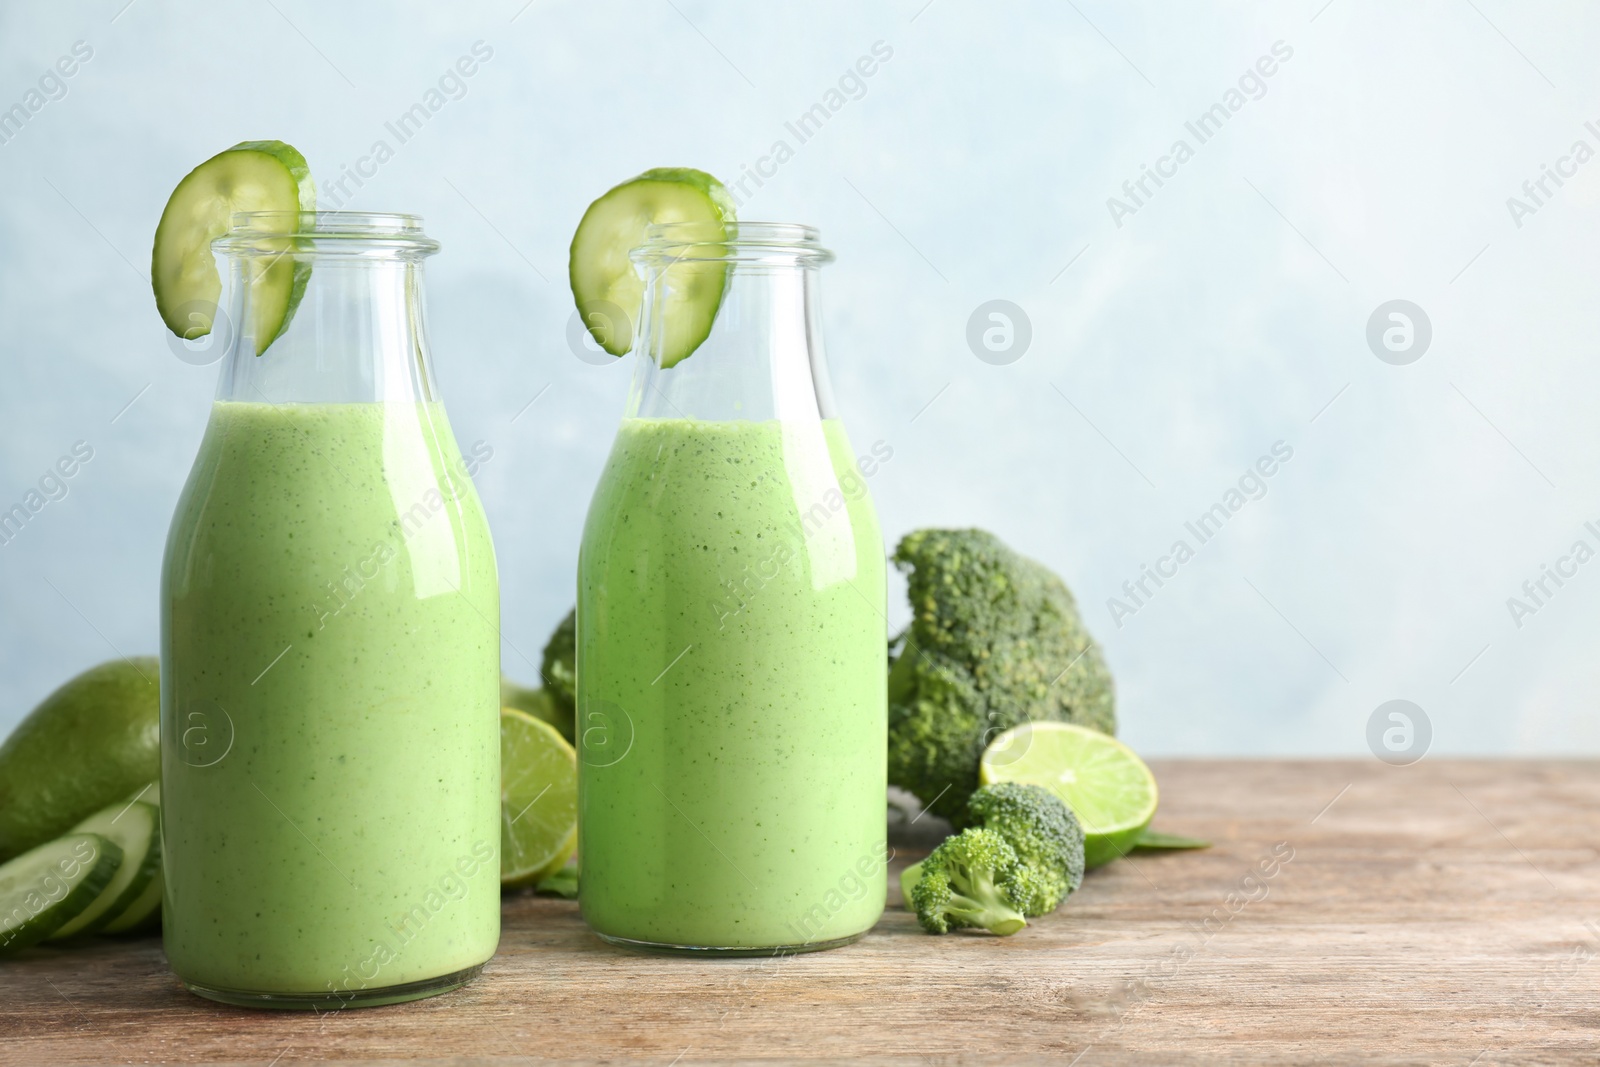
pixel 330 646
pixel 731 627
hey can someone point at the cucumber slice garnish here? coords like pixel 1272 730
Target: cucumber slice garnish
pixel 42 890
pixel 605 284
pixel 250 176
pixel 134 828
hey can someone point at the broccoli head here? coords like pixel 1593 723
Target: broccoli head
pixel 560 666
pixel 967 881
pixel 1043 832
pixel 995 641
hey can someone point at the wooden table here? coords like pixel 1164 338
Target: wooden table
pixel 1447 912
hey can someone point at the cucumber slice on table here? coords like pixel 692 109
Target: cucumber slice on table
pixel 604 282
pixel 134 827
pixel 42 890
pixel 143 912
pixel 250 176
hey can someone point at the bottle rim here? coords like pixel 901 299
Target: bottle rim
pixel 789 243
pixel 326 232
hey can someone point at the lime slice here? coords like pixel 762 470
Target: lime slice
pixel 43 889
pixel 610 292
pixel 250 176
pixel 1109 788
pixel 538 799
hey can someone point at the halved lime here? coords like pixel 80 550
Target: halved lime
pixel 538 799
pixel 1108 787
pixel 610 292
pixel 250 176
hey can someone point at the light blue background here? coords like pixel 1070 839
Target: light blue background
pixel 1222 317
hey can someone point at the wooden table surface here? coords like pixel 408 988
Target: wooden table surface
pixel 1444 913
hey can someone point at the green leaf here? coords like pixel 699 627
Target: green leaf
pixel 564 883
pixel 1158 841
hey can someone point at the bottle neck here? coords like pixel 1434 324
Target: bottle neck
pixel 354 332
pixel 764 357
pixel 357 335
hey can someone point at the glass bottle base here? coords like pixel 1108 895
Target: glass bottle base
pixel 726 952
pixel 333 1001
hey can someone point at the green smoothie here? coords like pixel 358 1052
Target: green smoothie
pixel 731 693
pixel 330 705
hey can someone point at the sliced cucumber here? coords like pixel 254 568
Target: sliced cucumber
pixel 42 890
pixel 605 284
pixel 250 176
pixel 143 912
pixel 134 828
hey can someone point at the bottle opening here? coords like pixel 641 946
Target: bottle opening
pixel 736 242
pixel 326 232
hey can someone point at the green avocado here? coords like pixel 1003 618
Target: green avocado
pixel 91 743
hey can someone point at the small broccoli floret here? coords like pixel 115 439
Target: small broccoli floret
pixel 995 641
pixel 1045 835
pixel 967 881
pixel 1042 832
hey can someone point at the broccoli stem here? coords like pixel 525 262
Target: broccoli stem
pixel 994 916
pixel 983 904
